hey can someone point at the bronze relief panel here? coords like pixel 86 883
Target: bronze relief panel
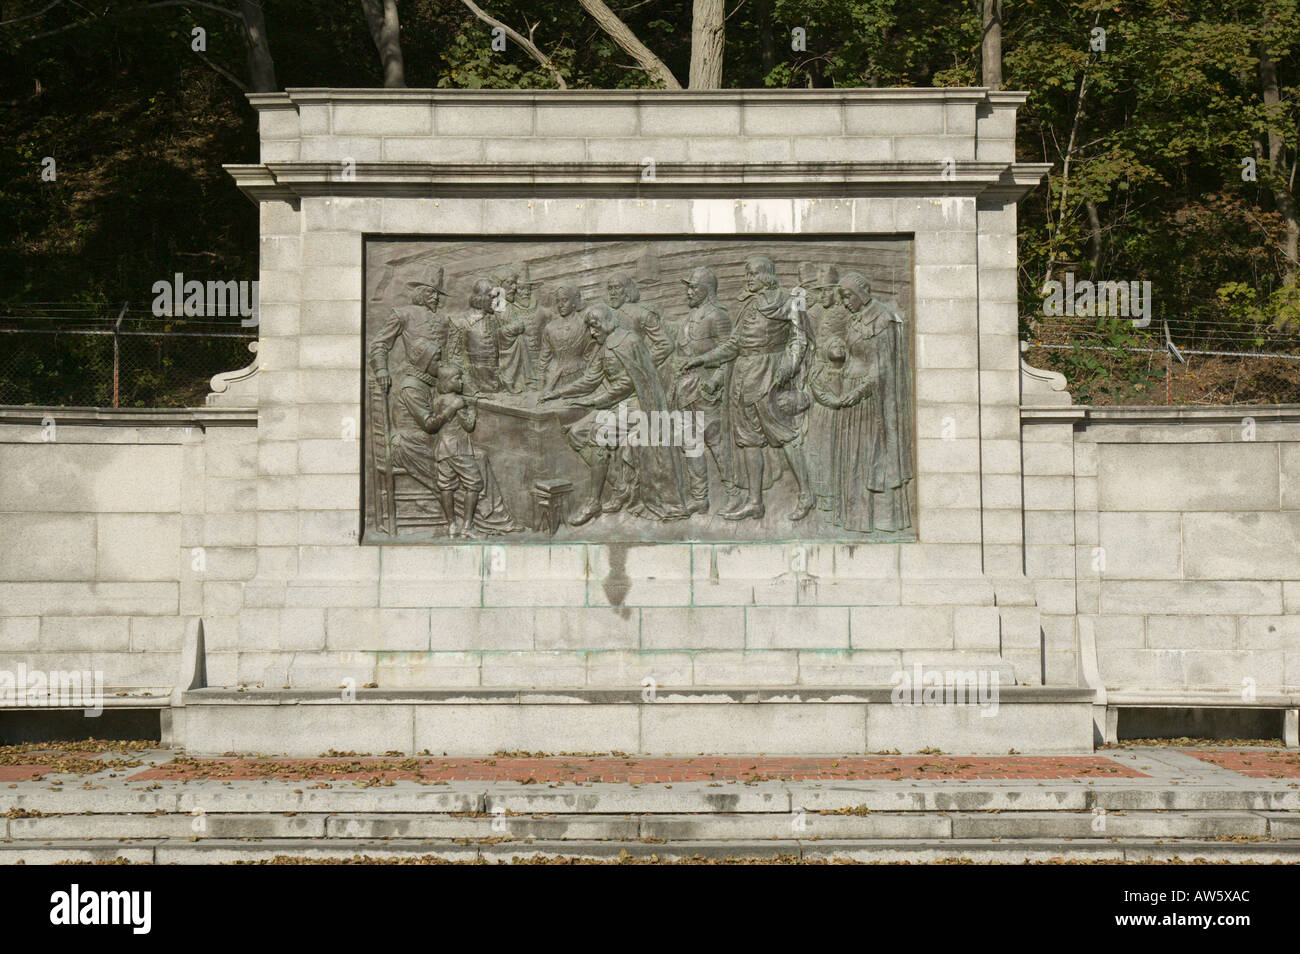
pixel 746 389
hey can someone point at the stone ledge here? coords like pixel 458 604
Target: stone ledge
pixel 944 94
pixel 477 722
pixel 200 417
pixel 1227 414
pixel 777 695
pixel 1198 699
pixel 133 698
pixel 290 180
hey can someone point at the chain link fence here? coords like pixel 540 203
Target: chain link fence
pixel 78 355
pixel 1110 361
pixel 72 354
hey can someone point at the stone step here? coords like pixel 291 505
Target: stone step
pixel 793 719
pixel 914 851
pixel 672 828
pixel 682 799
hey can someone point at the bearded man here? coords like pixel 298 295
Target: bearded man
pixel 766 350
pixel 622 372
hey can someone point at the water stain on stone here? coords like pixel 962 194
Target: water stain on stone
pixel 722 801
pixel 616 583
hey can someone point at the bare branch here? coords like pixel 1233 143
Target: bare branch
pixel 627 40
pixel 32 16
pixel 217 67
pixel 130 11
pixel 542 59
pixel 991 44
pixel 195 3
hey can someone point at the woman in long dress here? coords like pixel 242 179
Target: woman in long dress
pixel 866 381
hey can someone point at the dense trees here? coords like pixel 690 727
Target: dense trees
pixel 1172 125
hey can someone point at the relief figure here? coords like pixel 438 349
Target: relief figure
pixel 828 320
pixel 566 343
pixel 622 374
pixel 766 351
pixel 871 434
pixel 481 344
pixel 431 441
pixel 418 321
pixel 515 365
pixel 702 390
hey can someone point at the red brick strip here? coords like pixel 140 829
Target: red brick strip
pixel 632 769
pixel 1256 764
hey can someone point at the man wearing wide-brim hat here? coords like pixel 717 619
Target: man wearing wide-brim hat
pixel 526 303
pixel 824 302
pixel 418 325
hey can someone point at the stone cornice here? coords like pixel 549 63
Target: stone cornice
pixel 1018 180
pixel 944 94
pixel 200 417
pixel 297 179
pixel 1227 414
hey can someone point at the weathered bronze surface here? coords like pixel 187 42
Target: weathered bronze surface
pixel 632 390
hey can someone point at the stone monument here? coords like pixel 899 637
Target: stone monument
pixel 687 421
pixel 715 393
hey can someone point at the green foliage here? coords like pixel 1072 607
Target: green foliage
pixel 1107 368
pixel 1160 121
pixel 1279 312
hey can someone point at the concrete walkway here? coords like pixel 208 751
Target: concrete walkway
pixel 1122 805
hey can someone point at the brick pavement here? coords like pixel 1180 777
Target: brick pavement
pixel 1276 763
pixel 635 770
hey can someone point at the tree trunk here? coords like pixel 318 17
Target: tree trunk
pixel 261 68
pixel 1094 238
pixel 1282 198
pixel 618 31
pixel 766 36
pixel 385 30
pixel 1062 211
pixel 991 46
pixel 708 25
pixel 1261 157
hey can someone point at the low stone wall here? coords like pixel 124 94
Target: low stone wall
pixel 118 527
pixel 1165 546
